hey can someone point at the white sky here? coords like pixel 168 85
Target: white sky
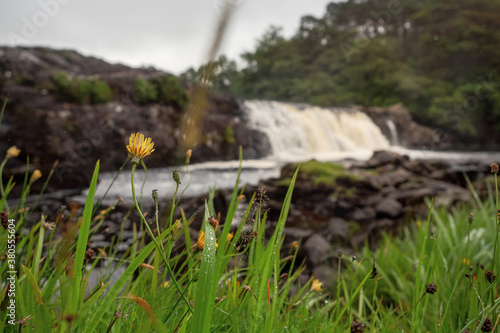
pixel 172 35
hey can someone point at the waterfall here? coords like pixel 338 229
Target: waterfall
pixel 299 132
pixel 393 131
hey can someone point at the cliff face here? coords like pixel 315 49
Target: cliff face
pixel 77 110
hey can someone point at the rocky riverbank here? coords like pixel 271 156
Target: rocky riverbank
pixel 75 109
pixel 335 207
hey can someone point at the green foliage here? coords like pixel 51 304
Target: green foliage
pixel 381 52
pixel 238 283
pixel 170 91
pixel 320 173
pixel 145 91
pixel 101 92
pixel 165 89
pixel 77 90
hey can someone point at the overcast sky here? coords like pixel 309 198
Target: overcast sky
pixel 172 35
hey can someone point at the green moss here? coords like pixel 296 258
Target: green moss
pixel 101 92
pixel 165 89
pixel 325 173
pixel 73 89
pixel 320 173
pixel 171 91
pixel 145 91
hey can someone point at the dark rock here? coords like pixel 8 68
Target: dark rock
pixel 326 275
pixel 317 248
pixel 391 159
pixel 337 227
pixel 363 214
pixel 48 128
pixel 389 207
pixel 368 230
pixel 407 132
pixel 295 234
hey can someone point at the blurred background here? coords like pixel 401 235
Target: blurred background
pixel 287 81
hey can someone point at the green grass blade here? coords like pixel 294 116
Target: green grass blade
pixel 42 319
pixel 91 325
pixel 34 285
pixel 81 247
pixel 206 287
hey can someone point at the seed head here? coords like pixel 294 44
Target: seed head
pixel 4 216
pixel 89 254
pixel 176 176
pixel 490 276
pixel 374 272
pixel 487 325
pixel 213 222
pixel 154 194
pixel 494 168
pixel 471 218
pixel 357 326
pixel 431 288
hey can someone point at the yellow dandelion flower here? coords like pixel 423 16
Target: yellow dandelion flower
pixel 139 147
pixel 200 244
pixel 37 174
pixel 201 240
pixel 316 285
pixel 13 152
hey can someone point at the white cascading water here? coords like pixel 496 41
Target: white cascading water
pixel 299 132
pixel 394 133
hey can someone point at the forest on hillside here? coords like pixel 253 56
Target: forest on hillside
pixel 440 58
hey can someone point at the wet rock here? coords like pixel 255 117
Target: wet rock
pixel 389 207
pixel 295 234
pixel 390 159
pixel 397 125
pixel 326 275
pixel 337 227
pixel 48 127
pixel 363 214
pixel 317 248
pixel 369 230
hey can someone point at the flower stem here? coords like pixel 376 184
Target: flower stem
pixel 134 165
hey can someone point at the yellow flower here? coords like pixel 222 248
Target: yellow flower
pixel 229 236
pixel 37 174
pixel 139 147
pixel 316 285
pixel 201 240
pixel 200 244
pixel 13 152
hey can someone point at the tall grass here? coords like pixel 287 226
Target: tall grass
pixel 240 280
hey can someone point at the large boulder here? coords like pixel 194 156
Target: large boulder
pixel 397 124
pixel 76 109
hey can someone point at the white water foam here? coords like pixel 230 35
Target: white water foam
pixel 299 132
